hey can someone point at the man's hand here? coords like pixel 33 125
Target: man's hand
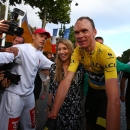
pixel 45 72
pixel 1 75
pixel 13 50
pixel 122 98
pixel 5 83
pixel 50 124
pixel 3 27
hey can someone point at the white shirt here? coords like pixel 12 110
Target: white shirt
pixel 6 57
pixel 32 60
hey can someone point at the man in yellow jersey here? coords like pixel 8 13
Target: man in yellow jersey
pixel 102 101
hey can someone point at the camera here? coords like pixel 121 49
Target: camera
pixel 14 78
pixel 13 26
pixel 13 30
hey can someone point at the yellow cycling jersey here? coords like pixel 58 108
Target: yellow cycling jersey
pixel 100 64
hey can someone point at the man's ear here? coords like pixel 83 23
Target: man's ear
pixel 94 32
pixel 33 36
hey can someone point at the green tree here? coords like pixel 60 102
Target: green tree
pixel 61 31
pixel 51 11
pixel 32 29
pixel 126 56
pixel 119 58
pixel 2 11
pixel 72 37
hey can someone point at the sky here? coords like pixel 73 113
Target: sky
pixel 111 18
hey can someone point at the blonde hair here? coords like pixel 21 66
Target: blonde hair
pixel 59 64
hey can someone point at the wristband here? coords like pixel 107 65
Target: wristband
pixel 122 95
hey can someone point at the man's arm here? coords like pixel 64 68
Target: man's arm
pixel 113 105
pixel 45 63
pixel 122 89
pixel 61 93
pixel 6 57
pixel 1 75
pixel 122 67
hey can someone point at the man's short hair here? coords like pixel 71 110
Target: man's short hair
pixel 87 18
pixel 96 38
pixel 47 52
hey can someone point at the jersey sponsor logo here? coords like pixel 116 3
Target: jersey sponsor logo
pixel 72 61
pixel 13 123
pixel 110 65
pixel 32 116
pixel 96 77
pixel 82 58
pixel 96 65
pixel 110 56
pixel 100 50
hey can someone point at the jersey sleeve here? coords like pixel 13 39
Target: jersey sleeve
pixel 74 60
pixel 109 63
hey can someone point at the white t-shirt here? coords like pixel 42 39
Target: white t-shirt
pixel 6 57
pixel 32 60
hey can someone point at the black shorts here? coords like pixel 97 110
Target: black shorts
pixel 127 104
pixel 37 86
pixel 95 108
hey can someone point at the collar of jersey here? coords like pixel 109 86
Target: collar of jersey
pixel 88 53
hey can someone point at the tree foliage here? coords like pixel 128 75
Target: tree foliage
pixel 51 11
pixel 72 37
pixel 119 58
pixel 61 31
pixel 126 56
pixel 32 29
pixel 2 11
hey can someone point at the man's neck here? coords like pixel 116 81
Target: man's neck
pixel 34 46
pixel 91 47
